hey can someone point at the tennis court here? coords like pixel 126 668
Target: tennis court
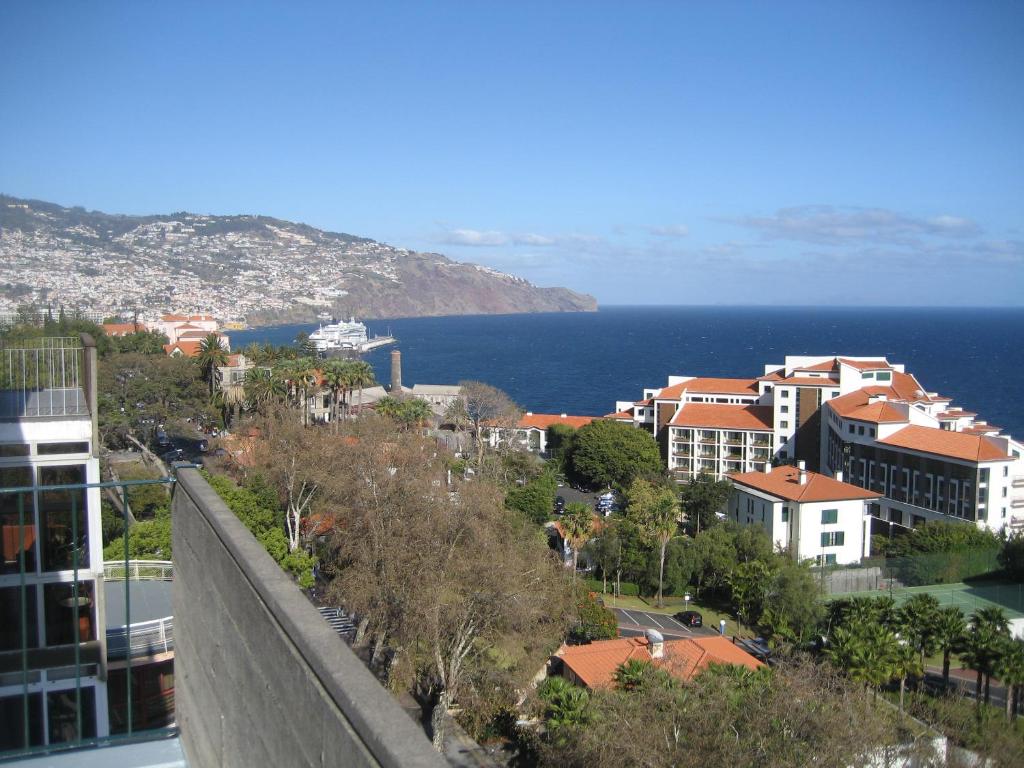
pixel 967 597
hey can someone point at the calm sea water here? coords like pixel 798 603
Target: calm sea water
pixel 582 363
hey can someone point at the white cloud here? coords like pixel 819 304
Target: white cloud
pixel 496 238
pixel 829 225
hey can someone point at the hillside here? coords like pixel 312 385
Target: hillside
pixel 255 269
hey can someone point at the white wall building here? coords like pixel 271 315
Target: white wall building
pixel 52 566
pixel 531 431
pixel 807 514
pixel 863 416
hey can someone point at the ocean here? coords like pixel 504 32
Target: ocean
pixel 581 363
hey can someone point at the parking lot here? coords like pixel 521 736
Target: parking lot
pixel 632 623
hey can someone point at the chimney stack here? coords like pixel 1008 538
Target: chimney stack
pixel 839 475
pixel 655 643
pixel 768 467
pixel 802 467
pixel 396 372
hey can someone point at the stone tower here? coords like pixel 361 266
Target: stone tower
pixel 396 372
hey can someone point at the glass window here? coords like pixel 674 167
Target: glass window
pixel 62 711
pixel 860 430
pixel 783 425
pixel 19 531
pixel 833 538
pixel 784 409
pixel 984 475
pixel 784 392
pixel 55 449
pixel 829 516
pixel 883 376
pixel 7 450
pixel 851 428
pixel 830 559
pixel 12 735
pixel 785 514
pixel 10 618
pixel 65 612
pixel 61 541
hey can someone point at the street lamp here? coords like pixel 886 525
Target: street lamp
pixel 686 599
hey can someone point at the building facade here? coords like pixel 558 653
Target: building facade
pixel 863 417
pixel 806 514
pixel 52 639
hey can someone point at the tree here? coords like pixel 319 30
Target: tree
pixel 362 376
pixel 486 407
pixel 577 526
pixel 918 617
pixel 408 412
pixel 749 583
pixel 336 378
pixel 609 454
pixel 566 706
pixel 1010 669
pixel 632 673
pixel 715 557
pixel 211 356
pixel 988 629
pixel 866 653
pixel 536 499
pixel 949 636
pixel 655 510
pixel 595 622
pixel 792 609
pixel 1011 558
pixel 906 663
pixel 560 438
pixel 263 387
pixel 702 498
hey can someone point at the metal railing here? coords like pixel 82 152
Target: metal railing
pixel 140 570
pixel 30 576
pixel 43 377
pixel 145 638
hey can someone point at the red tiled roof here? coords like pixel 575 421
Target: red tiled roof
pixel 595 664
pixel 784 482
pixel 708 385
pixel 187 348
pixel 866 365
pixel 122 329
pixel 955 415
pixel 648 401
pixel 724 416
pixel 545 420
pixel 809 381
pixel 775 375
pixel 621 415
pixel 908 388
pixel 856 405
pixel 828 365
pixel 944 442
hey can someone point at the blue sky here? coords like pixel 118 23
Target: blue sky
pixel 647 152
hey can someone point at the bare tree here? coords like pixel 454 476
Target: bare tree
pixel 486 408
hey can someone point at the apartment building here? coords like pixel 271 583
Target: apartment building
pixel 52 643
pixel 864 417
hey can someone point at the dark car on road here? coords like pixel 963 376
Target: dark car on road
pixel 559 504
pixel 689 619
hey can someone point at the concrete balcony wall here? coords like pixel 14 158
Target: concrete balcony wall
pixel 261 679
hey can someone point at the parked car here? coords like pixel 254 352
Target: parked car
pixel 689 618
pixel 162 440
pixel 175 454
pixel 204 446
pixel 559 504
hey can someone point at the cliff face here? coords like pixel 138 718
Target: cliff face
pixel 253 268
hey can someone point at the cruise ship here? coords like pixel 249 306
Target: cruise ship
pixel 339 336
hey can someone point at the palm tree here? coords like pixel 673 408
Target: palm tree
pixel 866 653
pixel 566 705
pixel 262 385
pixel 631 674
pixel 989 628
pixel 334 377
pixel 211 356
pixel 906 663
pixel 362 376
pixel 657 511
pixel 1010 669
pixel 918 617
pixel 577 526
pixel 949 636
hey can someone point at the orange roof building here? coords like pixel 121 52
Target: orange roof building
pixel 809 515
pixel 531 431
pixel 594 665
pixel 865 417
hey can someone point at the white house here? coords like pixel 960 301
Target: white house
pixel 805 513
pixel 531 431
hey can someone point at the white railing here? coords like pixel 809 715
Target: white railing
pixel 139 570
pixel 148 638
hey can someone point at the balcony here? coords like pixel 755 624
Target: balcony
pixel 46 377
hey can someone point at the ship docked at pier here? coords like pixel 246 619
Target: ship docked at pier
pixel 341 337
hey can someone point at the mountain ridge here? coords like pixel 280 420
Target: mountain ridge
pixel 249 268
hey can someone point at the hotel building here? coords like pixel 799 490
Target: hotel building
pixel 863 419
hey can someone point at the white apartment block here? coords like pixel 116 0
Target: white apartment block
pixel 808 515
pixel 864 417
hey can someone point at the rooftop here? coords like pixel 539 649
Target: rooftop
pixel 709 385
pixel 545 420
pixel 724 416
pixel 784 483
pixel 943 442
